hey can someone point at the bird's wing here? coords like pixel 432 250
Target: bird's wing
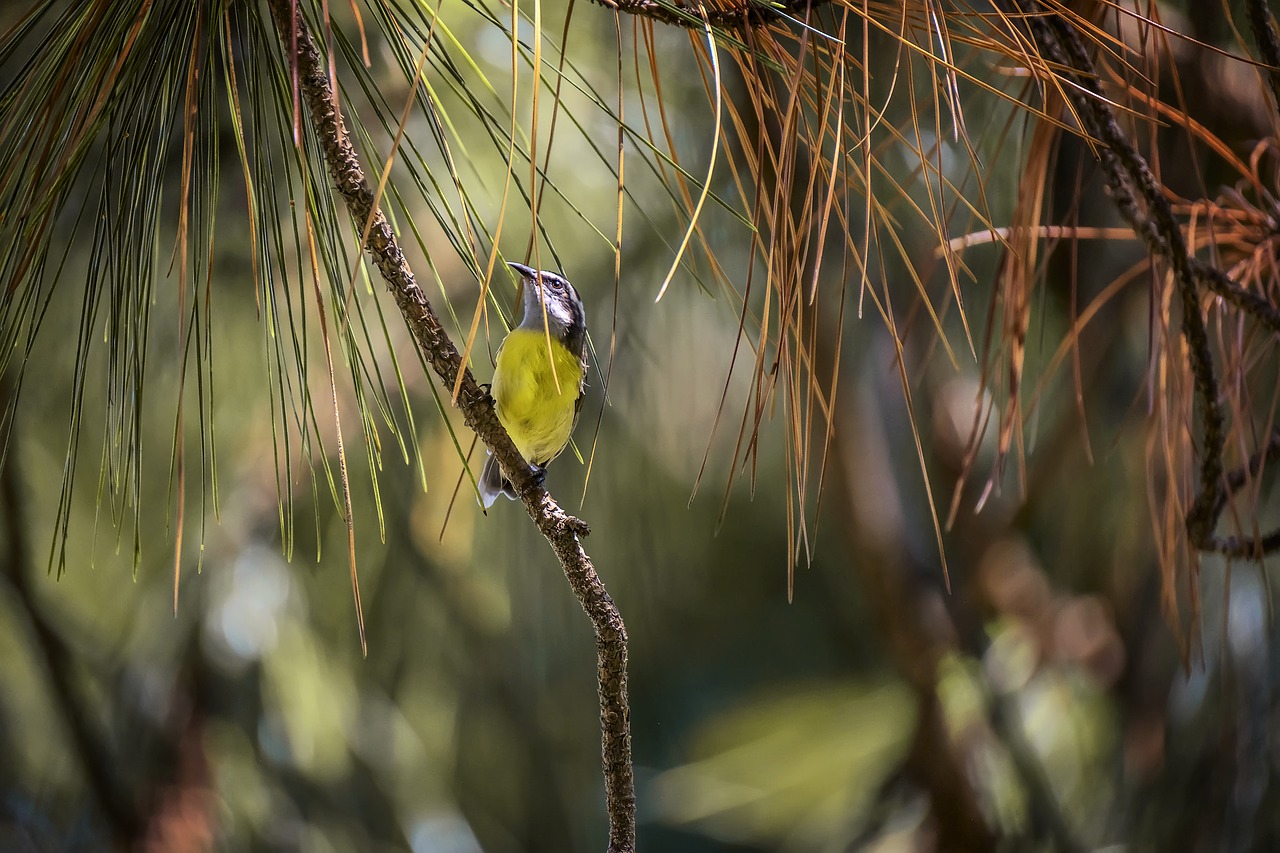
pixel 582 387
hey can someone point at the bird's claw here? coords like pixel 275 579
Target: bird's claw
pixel 577 526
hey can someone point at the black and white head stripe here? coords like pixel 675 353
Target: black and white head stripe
pixel 565 314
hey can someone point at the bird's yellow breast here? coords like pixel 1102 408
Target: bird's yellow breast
pixel 538 416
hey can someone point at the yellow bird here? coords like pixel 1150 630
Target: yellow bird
pixel 536 402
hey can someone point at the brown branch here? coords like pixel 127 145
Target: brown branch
pixel 1246 300
pixel 1142 203
pixel 740 15
pixel 1139 197
pixel 561 530
pixel 1237 479
pixel 1264 33
pixel 1246 546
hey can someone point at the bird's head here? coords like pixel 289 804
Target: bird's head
pixel 566 318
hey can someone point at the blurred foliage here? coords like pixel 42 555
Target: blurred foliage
pixel 872 708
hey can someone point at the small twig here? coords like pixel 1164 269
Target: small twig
pixel 1234 481
pixel 561 530
pixel 1039 232
pixel 1244 547
pixel 1246 300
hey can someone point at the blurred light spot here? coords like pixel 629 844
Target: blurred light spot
pixel 152 689
pixel 382 735
pixel 953 410
pixel 1012 657
pixel 315 699
pixel 273 739
pixel 247 608
pixel 959 692
pixel 1083 633
pixel 493 44
pixel 1144 746
pixel 443 833
pixel 1246 616
pixel 1187 695
pixel 1014 582
pixel 791 765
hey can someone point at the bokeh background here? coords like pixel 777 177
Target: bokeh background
pixel 1039 700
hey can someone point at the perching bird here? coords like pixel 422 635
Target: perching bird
pixel 538 406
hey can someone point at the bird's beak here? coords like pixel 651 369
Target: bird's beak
pixel 529 294
pixel 528 272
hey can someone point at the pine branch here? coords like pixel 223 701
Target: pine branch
pixel 1141 201
pixel 740 14
pixel 561 530
pixel 1264 34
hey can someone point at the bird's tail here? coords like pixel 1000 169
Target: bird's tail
pixel 492 483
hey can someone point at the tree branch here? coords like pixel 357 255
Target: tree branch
pixel 1142 203
pixel 1249 547
pixel 1264 34
pixel 739 14
pixel 561 530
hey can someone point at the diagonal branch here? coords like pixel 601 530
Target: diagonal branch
pixel 561 530
pixel 1141 202
pixel 1253 547
pixel 734 14
pixel 1264 34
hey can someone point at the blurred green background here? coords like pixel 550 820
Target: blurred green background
pixel 1037 704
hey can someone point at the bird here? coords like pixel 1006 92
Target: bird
pixel 537 405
